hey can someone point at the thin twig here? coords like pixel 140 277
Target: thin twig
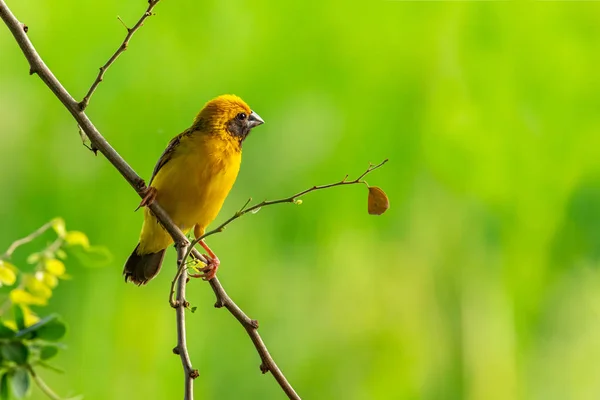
pixel 130 32
pixel 37 66
pixel 42 385
pixel 27 239
pixel 51 248
pixel 291 199
pixel 189 372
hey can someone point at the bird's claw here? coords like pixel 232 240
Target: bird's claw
pixel 149 196
pixel 210 271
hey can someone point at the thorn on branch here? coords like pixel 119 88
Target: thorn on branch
pixel 95 151
pixel 140 187
pixel 123 23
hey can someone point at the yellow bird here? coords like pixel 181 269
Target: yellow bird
pixel 191 181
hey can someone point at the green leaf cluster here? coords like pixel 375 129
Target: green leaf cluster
pixel 24 349
pixel 28 341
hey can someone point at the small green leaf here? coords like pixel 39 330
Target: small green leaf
pixel 48 352
pixel 6 332
pixel 30 317
pixel 36 286
pixel 5 387
pixel 50 367
pixel 193 309
pixel 7 273
pixel 20 383
pixel 52 331
pixel 55 267
pixel 19 316
pixel 36 327
pixel 58 224
pixel 33 258
pixel 48 279
pixel 15 351
pixel 60 253
pixel 93 256
pixel 20 296
pixel 76 238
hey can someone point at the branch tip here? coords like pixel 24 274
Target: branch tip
pixel 118 52
pixel 123 23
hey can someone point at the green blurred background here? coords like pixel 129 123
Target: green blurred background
pixel 481 281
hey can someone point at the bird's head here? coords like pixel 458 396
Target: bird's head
pixel 228 114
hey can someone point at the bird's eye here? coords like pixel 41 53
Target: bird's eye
pixel 241 116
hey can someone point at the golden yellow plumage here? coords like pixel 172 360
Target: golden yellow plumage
pixel 192 179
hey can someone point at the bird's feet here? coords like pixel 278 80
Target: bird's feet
pixel 149 195
pixel 210 271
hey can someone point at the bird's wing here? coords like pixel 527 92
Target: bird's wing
pixel 168 153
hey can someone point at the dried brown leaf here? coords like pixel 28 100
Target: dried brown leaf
pixel 378 201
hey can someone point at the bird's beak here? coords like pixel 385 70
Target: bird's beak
pixel 254 120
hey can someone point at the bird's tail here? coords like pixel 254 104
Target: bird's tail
pixel 140 268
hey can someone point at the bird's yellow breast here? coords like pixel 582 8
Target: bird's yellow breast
pixel 192 186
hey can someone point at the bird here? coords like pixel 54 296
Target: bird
pixel 191 180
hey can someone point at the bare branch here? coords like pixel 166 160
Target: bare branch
pixel 42 385
pixel 27 239
pixel 130 32
pixel 292 199
pixel 251 326
pixel 189 372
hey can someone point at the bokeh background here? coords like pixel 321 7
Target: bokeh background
pixel 481 282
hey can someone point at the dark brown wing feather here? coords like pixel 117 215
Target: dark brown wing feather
pixel 168 153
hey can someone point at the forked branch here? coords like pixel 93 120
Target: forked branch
pixel 189 372
pixel 130 32
pixel 295 198
pixel 27 239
